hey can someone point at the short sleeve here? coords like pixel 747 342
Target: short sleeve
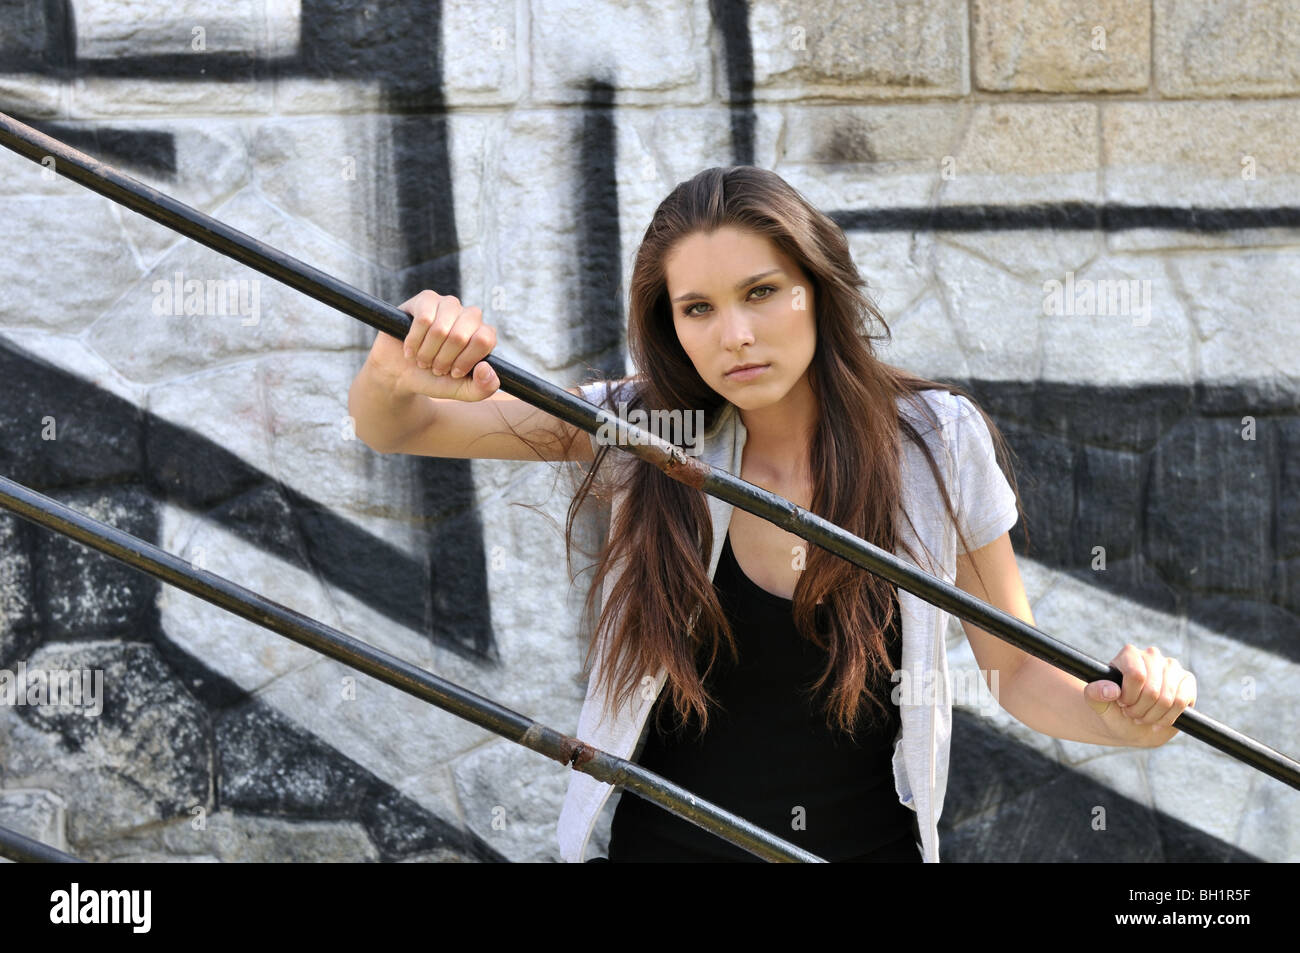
pixel 594 393
pixel 985 502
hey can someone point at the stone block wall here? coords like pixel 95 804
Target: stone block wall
pixel 1086 212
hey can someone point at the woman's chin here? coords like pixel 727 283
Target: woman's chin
pixel 752 398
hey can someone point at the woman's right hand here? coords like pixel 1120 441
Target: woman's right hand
pixel 442 355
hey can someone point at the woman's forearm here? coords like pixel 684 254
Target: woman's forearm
pixel 1051 701
pixel 383 415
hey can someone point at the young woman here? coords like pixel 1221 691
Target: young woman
pixel 786 684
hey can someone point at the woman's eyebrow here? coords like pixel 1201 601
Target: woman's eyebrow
pixel 748 281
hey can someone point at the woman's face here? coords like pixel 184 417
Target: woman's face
pixel 738 299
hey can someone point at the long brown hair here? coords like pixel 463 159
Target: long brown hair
pixel 662 610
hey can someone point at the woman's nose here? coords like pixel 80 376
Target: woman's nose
pixel 737 329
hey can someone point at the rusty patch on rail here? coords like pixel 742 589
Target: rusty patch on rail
pixel 579 753
pixel 686 469
pixel 572 752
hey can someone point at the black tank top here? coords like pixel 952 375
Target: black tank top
pixel 769 755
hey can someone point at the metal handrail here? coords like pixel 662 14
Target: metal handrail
pixel 20 847
pixel 415 681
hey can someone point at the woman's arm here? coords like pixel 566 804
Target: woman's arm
pixel 383 415
pixel 434 394
pixel 1045 698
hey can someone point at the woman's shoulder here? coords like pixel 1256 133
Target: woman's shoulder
pixel 934 409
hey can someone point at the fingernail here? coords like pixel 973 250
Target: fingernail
pixel 1110 691
pixel 457 373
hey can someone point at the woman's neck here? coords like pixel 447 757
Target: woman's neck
pixel 778 438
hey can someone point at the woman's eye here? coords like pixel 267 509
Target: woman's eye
pixel 690 309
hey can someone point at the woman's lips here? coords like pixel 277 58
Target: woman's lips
pixel 747 374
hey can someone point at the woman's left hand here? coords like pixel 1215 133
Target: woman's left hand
pixel 1156 691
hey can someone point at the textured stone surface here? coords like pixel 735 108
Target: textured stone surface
pixel 1263 823
pixel 200 162
pixel 109 29
pixel 997 317
pixel 315 449
pixel 850 158
pixel 100 96
pixel 1211 155
pixel 145 758
pixel 1124 321
pixel 899 48
pixel 230 838
pixel 511 789
pixel 61 430
pixel 1081 413
pixel 922 341
pixel 1253 622
pixel 269 767
pixel 32 95
pixel 23 32
pixel 358 718
pixel 1061 46
pixel 1025 152
pixel 1107 513
pixel 483 51
pixel 324 170
pixel 1073 612
pixel 67 282
pixel 1288 491
pixel 1162 152
pixel 673 143
pixel 658 54
pixel 1203 48
pixel 284 415
pixel 896 139
pixel 299 95
pixel 1244 684
pixel 251 655
pixel 1011 804
pixel 18 624
pixel 38 814
pixel 81 593
pixel 894 266
pixel 1045 470
pixel 536 267
pixel 1209 511
pixel 268 315
pixel 529 590
pixel 1218 298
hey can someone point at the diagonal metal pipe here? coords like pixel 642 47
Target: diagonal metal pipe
pixel 672 460
pixel 23 849
pixel 247 604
